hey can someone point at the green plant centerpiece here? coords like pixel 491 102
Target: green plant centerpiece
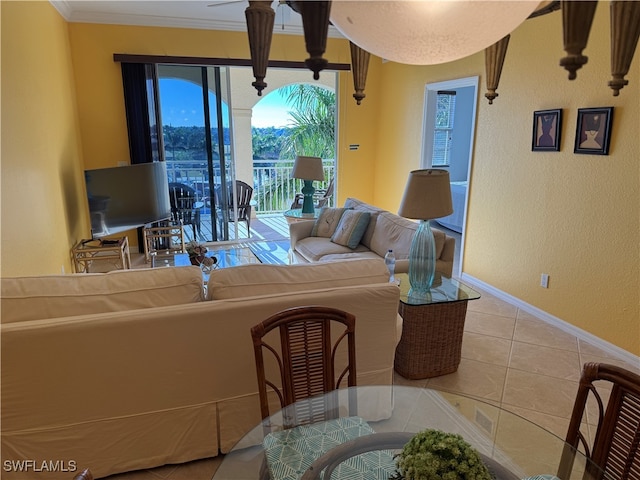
pixel 436 455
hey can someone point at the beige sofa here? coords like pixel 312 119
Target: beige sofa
pixel 385 231
pixel 136 369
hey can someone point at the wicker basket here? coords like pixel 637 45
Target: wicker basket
pixel 431 342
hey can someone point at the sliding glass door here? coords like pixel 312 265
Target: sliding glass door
pixel 198 145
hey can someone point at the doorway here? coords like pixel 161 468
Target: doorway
pixel 197 136
pixel 205 134
pixel 447 143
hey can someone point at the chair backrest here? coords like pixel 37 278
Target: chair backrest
pixel 244 192
pixel 322 201
pixel 615 448
pixel 310 359
pixel 182 199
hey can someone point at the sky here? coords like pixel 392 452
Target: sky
pixel 270 111
pixel 181 105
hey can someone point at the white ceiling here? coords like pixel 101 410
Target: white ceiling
pixel 209 14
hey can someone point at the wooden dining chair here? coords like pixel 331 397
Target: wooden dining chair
pixel 614 450
pixel 309 356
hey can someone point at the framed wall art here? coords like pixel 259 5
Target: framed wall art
pixel 593 131
pixel 546 130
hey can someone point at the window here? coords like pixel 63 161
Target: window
pixel 443 131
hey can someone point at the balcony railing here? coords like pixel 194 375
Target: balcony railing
pixel 273 188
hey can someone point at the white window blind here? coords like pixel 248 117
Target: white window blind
pixel 443 131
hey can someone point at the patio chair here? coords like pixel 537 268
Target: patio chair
pixel 244 192
pixel 305 367
pixel 320 197
pixel 615 448
pixel 185 209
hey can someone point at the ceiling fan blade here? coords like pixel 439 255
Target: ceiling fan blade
pixel 283 12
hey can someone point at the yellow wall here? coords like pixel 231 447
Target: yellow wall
pixel 99 78
pixel 42 186
pixel 101 103
pixel 575 217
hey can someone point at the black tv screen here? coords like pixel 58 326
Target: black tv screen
pixel 125 198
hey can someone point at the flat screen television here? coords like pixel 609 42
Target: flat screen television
pixel 128 197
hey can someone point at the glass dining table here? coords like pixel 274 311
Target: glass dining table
pixel 513 446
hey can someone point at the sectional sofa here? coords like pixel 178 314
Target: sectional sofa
pixel 384 231
pixel 135 369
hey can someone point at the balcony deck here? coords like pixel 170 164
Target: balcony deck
pixel 265 227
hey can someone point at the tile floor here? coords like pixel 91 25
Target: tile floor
pixel 509 357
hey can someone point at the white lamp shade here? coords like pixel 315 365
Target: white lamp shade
pixel 427 32
pixel 427 195
pixel 308 168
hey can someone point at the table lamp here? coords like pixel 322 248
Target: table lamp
pixel 427 196
pixel 308 169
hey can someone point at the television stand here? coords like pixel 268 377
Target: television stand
pixel 115 251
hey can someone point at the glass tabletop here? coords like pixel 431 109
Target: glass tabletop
pixel 518 446
pixel 297 213
pixel 443 290
pixel 225 258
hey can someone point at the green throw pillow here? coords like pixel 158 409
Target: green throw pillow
pixel 351 228
pixel 327 222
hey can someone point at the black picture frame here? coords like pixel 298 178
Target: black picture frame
pixel 593 131
pixel 547 128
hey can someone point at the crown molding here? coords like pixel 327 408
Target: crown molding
pixel 65 8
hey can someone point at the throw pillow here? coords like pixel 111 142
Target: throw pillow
pixel 327 222
pixel 351 228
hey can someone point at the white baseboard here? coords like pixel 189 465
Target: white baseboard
pixel 609 348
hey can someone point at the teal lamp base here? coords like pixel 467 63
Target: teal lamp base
pixel 422 261
pixel 307 192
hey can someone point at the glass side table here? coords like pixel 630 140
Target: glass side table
pixel 432 328
pixel 296 215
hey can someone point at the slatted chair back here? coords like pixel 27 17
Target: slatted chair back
pixel 309 354
pixel 243 194
pixel 325 195
pixel 615 448
pixel 183 206
pixel 321 197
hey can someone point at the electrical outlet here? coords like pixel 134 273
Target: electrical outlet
pixel 544 280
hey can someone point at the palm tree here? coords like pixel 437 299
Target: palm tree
pixel 312 130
